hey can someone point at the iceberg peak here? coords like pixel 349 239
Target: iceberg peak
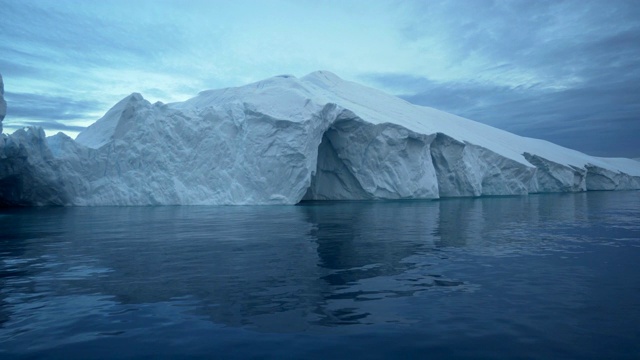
pixel 323 77
pixel 114 123
pixel 134 97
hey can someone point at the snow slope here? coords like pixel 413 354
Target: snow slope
pixel 284 139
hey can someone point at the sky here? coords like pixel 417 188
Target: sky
pixel 563 71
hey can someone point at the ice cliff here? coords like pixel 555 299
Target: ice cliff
pixel 287 139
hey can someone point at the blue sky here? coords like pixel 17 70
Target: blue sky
pixel 565 71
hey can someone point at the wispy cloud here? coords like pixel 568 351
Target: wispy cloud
pixel 50 107
pixel 563 71
pixel 50 126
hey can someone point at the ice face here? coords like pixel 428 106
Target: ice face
pixel 29 174
pixel 282 140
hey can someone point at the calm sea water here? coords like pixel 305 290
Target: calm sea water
pixel 543 276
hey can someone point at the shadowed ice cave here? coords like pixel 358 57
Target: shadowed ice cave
pixel 358 160
pixel 362 161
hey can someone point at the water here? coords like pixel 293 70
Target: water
pixel 545 276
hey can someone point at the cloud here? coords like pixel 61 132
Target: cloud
pixel 48 125
pixel 32 108
pixel 15 68
pixel 560 70
pixel 565 71
pixel 78 33
pixel 595 117
pixel 66 47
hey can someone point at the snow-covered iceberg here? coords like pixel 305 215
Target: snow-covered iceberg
pixel 287 139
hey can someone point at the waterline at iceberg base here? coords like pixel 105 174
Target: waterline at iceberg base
pixel 287 139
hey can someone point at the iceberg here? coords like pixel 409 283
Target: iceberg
pixel 3 103
pixel 286 139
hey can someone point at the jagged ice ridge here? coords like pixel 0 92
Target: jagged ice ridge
pixel 283 140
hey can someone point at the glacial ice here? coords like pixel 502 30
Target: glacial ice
pixel 29 174
pixel 283 140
